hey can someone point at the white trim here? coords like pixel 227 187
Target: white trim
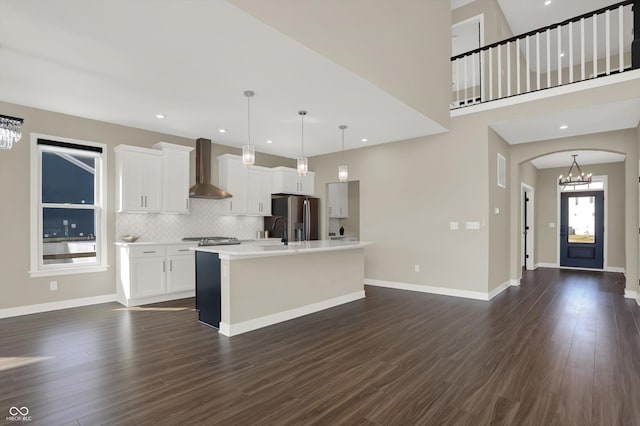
pixel 631 294
pixel 267 320
pixel 617 269
pixel 101 265
pixel 548 93
pixel 502 287
pixel 68 271
pixel 55 306
pixel 156 299
pixel 443 291
pixel 524 189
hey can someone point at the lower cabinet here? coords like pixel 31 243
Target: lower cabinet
pixel 154 273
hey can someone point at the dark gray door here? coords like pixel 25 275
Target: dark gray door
pixel 582 229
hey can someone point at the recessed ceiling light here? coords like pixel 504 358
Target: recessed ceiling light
pixel 222 130
pixel 269 141
pixel 547 3
pixel 561 54
pixel 161 116
pixel 364 139
pixel 564 126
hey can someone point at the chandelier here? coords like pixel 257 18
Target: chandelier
pixel 10 131
pixel 580 179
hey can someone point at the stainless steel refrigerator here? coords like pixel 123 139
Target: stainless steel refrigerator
pixel 302 214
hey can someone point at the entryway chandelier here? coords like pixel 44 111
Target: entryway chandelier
pixel 10 131
pixel 580 179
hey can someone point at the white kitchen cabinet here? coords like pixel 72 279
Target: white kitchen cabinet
pixel 259 191
pixel 287 181
pixel 338 195
pixel 250 187
pixel 233 177
pixel 181 272
pixel 175 177
pixel 151 273
pixel 138 179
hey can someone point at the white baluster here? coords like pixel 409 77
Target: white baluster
pixel 518 65
pixel 458 82
pixel 528 65
pixel 508 69
pixel 620 39
pixel 491 74
pixel 499 71
pixel 607 17
pixel 595 46
pixel 538 57
pixel 582 65
pixel 548 58
pixel 570 52
pixel 473 78
pixel 559 55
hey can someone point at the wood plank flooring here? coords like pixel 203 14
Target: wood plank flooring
pixel 562 349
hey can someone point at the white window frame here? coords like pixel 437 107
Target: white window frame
pixel 38 268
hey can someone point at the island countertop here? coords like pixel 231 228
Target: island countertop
pixel 253 250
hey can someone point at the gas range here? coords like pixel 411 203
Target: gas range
pixel 214 241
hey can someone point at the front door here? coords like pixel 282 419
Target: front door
pixel 582 229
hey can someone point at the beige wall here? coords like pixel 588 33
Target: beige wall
pixel 398 46
pixel 409 192
pixel 547 207
pixel 499 228
pixel 496 27
pixel 16 286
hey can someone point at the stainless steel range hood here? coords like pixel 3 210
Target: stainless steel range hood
pixel 203 187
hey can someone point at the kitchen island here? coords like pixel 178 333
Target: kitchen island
pixel 249 286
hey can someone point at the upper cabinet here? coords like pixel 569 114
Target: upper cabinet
pixel 250 187
pixel 175 177
pixel 152 180
pixel 287 181
pixel 138 179
pixel 338 200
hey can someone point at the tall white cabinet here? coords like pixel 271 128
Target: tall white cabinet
pixel 338 195
pixel 175 177
pixel 250 187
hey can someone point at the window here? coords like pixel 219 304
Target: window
pixel 68 215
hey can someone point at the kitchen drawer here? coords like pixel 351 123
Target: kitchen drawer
pixel 180 250
pixel 148 251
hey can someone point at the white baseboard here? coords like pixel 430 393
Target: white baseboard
pixel 630 294
pixel 156 299
pixel 475 295
pixel 267 320
pixel 55 306
pixel 617 269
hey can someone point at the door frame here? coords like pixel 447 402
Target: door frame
pixel 605 188
pixel 530 243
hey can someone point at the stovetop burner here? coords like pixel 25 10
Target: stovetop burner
pixel 213 241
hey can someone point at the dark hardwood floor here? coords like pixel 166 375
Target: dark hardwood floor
pixel 562 349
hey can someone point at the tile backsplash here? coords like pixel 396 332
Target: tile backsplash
pixel 207 219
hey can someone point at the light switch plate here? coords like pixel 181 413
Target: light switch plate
pixel 472 225
pixel 552 225
pixel 453 226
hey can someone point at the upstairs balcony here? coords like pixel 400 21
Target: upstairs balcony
pixel 598 44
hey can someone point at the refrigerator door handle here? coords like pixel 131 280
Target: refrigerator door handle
pixel 307 220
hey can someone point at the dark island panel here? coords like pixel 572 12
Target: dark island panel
pixel 208 300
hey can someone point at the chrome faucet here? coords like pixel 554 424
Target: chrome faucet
pixel 284 239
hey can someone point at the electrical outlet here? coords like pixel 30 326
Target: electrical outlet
pixel 53 285
pixel 416 267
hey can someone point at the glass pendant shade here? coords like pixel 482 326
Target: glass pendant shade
pixel 303 163
pixel 343 173
pixel 248 155
pixel 248 150
pixel 10 131
pixel 303 166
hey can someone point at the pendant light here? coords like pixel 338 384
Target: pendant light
pixel 343 170
pixel 303 164
pixel 577 180
pixel 248 150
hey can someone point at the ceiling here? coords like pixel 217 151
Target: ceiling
pixel 191 61
pixel 579 121
pixel 585 158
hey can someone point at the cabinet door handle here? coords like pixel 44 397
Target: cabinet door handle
pixel 183 249
pixel 142 201
pixel 152 251
pixel 230 205
pixel 163 266
pixel 145 201
pixel 171 266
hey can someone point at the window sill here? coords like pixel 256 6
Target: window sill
pixel 68 271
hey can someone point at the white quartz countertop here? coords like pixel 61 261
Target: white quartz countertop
pixel 157 243
pixel 248 250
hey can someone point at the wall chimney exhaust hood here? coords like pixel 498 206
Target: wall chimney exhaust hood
pixel 203 187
